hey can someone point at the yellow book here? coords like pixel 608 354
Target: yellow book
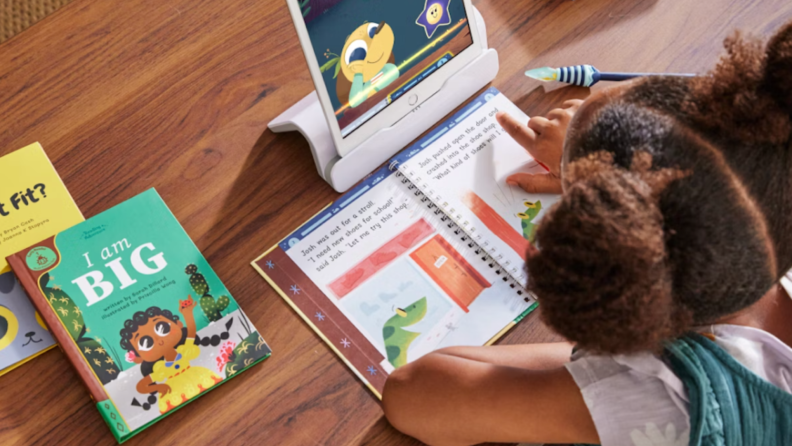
pixel 34 205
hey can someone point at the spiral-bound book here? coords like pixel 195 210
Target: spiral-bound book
pixel 427 252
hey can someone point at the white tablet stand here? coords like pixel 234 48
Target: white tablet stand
pixel 342 173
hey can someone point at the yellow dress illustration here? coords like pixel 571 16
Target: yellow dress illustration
pixel 185 381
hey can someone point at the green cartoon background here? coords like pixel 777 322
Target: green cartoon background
pixel 332 22
pixel 143 219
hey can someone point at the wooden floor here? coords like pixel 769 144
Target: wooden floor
pixel 128 95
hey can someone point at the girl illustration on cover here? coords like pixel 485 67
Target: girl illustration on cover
pixel 164 347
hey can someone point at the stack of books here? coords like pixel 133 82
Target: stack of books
pixel 126 295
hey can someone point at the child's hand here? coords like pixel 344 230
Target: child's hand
pixel 543 138
pixel 163 389
pixel 186 306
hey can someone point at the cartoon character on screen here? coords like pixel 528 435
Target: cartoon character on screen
pixel 367 64
pixel 531 212
pixel 164 347
pixel 434 15
pixel 397 339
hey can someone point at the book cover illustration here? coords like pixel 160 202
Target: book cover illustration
pixel 34 205
pixel 23 334
pixel 151 325
pixel 464 163
pixel 385 279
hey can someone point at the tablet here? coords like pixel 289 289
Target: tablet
pixel 374 61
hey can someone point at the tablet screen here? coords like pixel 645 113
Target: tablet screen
pixel 372 52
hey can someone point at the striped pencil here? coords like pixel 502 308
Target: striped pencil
pixel 587 75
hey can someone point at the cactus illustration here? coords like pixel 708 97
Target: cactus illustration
pixel 70 315
pixel 211 307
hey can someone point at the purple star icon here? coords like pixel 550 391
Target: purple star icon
pixel 434 15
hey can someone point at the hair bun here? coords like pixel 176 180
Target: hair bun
pixel 778 67
pixel 601 275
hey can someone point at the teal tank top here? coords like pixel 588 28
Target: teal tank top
pixel 729 404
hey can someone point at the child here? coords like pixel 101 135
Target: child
pixel 676 219
pixel 163 347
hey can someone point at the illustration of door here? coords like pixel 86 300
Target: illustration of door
pixel 438 259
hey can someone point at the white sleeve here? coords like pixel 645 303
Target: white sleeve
pixel 634 400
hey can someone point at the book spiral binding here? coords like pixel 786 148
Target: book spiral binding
pixel 462 231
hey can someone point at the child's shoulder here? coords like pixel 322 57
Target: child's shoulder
pixel 632 398
pixel 636 397
pixel 759 351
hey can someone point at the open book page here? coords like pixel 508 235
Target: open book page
pixel 463 165
pixel 382 270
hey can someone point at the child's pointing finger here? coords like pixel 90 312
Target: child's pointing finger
pixel 521 133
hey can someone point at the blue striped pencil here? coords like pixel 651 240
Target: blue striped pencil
pixel 587 75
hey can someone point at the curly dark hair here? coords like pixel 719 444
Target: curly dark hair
pixel 141 318
pixel 678 204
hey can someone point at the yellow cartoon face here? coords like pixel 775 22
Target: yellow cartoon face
pixel 367 50
pixel 434 14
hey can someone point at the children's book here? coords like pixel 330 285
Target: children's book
pixel 427 252
pixel 34 205
pixel 138 311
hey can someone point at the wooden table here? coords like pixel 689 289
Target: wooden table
pixel 128 95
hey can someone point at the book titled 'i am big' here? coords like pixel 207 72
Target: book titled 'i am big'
pixel 138 311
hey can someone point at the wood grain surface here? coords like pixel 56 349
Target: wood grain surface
pixel 128 95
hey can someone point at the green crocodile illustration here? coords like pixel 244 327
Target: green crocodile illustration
pixel 528 217
pixel 397 339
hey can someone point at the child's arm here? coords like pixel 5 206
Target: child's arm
pixel 525 356
pixel 147 385
pixel 186 308
pixel 463 396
